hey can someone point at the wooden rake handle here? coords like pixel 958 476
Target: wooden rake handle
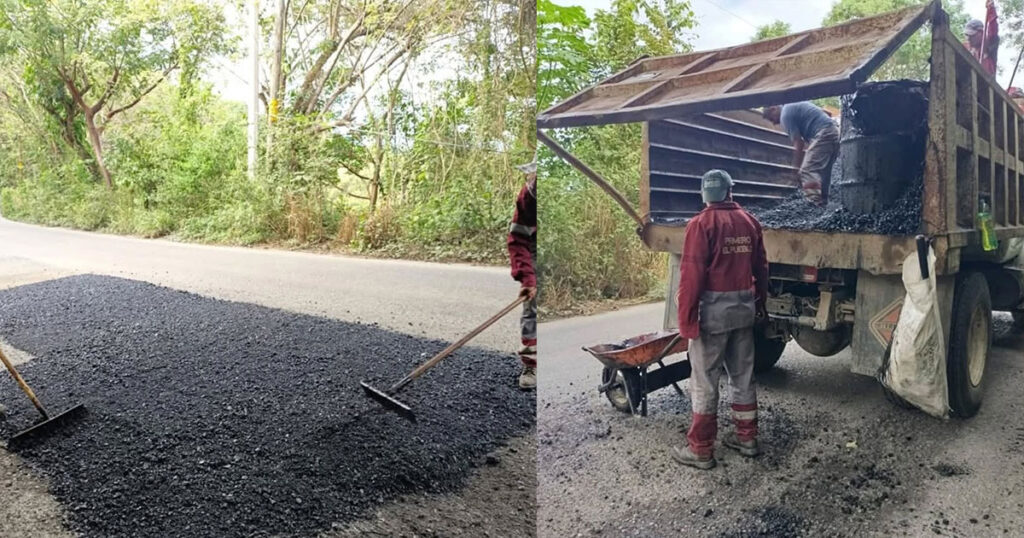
pixel 451 349
pixel 24 386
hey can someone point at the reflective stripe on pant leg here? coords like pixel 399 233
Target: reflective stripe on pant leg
pixel 739 363
pixel 706 353
pixel 528 324
pixel 701 437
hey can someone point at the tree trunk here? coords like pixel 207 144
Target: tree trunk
pixel 374 188
pixel 97 149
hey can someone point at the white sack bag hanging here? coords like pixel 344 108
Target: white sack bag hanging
pixel 915 366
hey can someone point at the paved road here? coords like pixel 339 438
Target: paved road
pixel 840 461
pixel 441 301
pixel 438 300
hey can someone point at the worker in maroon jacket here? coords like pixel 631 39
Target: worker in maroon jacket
pixel 987 33
pixel 522 253
pixel 723 284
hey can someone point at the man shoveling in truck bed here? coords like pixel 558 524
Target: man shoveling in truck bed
pixel 723 285
pixel 816 144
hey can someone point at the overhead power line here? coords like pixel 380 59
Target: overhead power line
pixel 733 14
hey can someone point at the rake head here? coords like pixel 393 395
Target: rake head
pixel 389 402
pixel 46 427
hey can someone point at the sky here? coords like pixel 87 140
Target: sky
pixel 723 23
pixel 720 23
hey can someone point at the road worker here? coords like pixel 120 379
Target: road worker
pixel 1017 95
pixel 522 253
pixel 978 32
pixel 723 284
pixel 815 145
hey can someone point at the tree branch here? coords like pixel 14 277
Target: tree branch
pixel 144 93
pixel 352 171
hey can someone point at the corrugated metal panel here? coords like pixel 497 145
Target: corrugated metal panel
pixel 808 65
pixel 756 153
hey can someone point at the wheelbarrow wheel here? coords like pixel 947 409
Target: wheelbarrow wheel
pixel 617 393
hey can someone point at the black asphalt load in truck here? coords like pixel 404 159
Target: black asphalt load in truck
pixel 836 272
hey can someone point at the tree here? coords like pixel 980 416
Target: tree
pixel 772 29
pixel 99 58
pixel 655 27
pixel 564 58
pixel 336 53
pixel 911 60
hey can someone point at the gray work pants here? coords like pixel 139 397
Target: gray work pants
pixel 709 353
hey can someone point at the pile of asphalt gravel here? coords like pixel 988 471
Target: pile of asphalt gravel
pixel 214 418
pixel 796 213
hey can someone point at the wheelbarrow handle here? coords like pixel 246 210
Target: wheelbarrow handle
pixel 671 345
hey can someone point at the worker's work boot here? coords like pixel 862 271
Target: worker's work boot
pixel 745 448
pixel 528 379
pixel 684 455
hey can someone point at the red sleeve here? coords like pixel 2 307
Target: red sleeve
pixel 692 278
pixel 522 237
pixel 760 265
pixel 992 33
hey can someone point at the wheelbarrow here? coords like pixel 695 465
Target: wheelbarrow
pixel 626 381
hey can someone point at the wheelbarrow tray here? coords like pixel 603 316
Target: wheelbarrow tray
pixel 638 351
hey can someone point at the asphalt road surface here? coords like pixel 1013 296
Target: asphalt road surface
pixel 840 460
pixel 418 299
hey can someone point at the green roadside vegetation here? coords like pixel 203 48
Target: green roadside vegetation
pixel 397 124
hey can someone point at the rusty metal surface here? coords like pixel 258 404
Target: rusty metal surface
pixel 877 254
pixel 678 151
pixel 637 352
pixel 816 63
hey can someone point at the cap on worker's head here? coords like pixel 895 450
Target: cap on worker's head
pixel 974 26
pixel 715 185
pixel 530 167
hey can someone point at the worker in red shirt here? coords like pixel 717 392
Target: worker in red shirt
pixel 723 284
pixel 983 38
pixel 522 253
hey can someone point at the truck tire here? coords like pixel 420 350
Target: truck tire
pixel 767 351
pixel 823 343
pixel 970 339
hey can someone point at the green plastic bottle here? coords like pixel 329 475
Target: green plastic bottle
pixel 988 232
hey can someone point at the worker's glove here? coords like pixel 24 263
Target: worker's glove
pixel 760 311
pixel 528 291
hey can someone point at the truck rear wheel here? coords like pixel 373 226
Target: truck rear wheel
pixel 823 343
pixel 969 342
pixel 767 351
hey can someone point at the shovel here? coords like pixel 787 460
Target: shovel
pixel 49 423
pixel 387 398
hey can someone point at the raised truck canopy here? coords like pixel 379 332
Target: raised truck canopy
pixel 809 65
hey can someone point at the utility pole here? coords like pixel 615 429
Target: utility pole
pixel 275 72
pixel 254 96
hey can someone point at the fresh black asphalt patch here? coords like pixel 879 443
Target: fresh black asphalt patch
pixel 216 418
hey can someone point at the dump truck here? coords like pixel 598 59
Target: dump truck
pixel 830 290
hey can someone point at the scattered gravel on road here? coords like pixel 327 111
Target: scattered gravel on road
pixel 215 418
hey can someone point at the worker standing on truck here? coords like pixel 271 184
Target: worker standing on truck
pixel 723 285
pixel 522 253
pixel 816 144
pixel 983 38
